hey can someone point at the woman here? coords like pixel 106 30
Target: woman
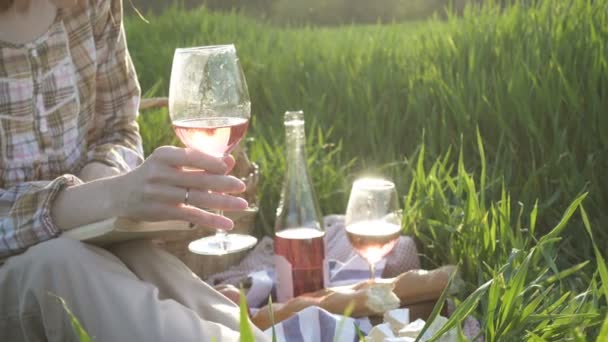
pixel 71 155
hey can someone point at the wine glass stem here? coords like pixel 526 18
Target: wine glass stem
pixel 372 271
pixel 221 235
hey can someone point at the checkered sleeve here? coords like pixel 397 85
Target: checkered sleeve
pixel 118 93
pixel 26 213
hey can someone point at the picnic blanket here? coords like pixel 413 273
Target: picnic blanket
pixel 314 324
pixel 346 267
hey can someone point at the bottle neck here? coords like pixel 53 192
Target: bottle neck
pixel 295 147
pixel 298 207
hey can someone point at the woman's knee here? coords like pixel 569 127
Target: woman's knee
pixel 133 251
pixel 41 270
pixel 130 247
pixel 58 251
pixel 61 257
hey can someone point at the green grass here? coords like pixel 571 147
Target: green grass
pixel 81 333
pixel 493 126
pixel 518 287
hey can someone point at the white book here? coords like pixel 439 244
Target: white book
pixel 122 229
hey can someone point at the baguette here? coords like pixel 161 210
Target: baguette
pixel 419 286
pixel 416 288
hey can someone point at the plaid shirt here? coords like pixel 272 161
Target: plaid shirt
pixel 66 99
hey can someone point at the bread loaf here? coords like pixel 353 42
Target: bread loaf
pixel 417 289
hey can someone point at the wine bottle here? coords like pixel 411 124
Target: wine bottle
pixel 298 242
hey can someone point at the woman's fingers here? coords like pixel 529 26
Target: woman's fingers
pixel 216 201
pixel 158 188
pixel 164 211
pixel 196 198
pixel 199 217
pixel 204 181
pixel 196 179
pixel 230 291
pixel 190 158
pixel 230 162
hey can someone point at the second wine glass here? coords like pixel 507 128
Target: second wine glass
pixel 373 219
pixel 210 109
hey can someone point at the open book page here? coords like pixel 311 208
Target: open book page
pixel 121 229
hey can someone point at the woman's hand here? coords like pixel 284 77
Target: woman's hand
pixel 230 291
pixel 156 190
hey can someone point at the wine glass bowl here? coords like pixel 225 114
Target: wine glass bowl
pixel 210 108
pixel 373 219
pixel 209 102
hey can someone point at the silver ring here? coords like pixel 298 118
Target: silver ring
pixel 187 196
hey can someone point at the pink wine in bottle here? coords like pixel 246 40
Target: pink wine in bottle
pixel 298 242
pixel 303 249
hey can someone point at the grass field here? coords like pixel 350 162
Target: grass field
pixel 494 126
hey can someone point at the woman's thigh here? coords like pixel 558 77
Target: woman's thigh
pixel 176 281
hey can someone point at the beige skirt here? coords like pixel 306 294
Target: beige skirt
pixel 130 292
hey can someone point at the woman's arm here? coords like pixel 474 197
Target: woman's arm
pixel 26 213
pixel 155 191
pixel 95 170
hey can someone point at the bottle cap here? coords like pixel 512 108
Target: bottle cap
pixel 294 118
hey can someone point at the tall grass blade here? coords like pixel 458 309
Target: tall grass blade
pixel 601 264
pixel 272 321
pixel 438 305
pixel 347 312
pixel 463 310
pixel 603 335
pixel 244 324
pixel 562 223
pixel 82 334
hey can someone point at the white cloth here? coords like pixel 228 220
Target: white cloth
pixel 314 324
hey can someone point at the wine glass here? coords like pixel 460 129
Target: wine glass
pixel 373 219
pixel 210 109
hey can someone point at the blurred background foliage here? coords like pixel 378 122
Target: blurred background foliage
pixel 321 12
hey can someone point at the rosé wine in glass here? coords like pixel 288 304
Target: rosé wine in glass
pixel 373 219
pixel 373 240
pixel 216 136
